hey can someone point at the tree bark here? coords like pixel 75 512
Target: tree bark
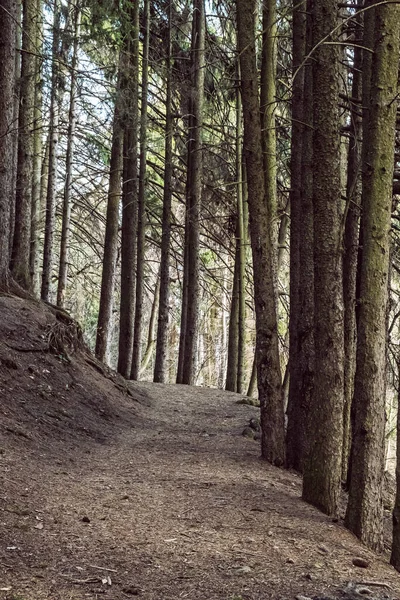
pixel 66 216
pixel 53 160
pixel 193 195
pixel 8 13
pixel 111 233
pixel 351 244
pixel 295 438
pixel 20 257
pixel 364 511
pixel 160 366
pixel 129 201
pixel 322 467
pixel 137 333
pixel 267 346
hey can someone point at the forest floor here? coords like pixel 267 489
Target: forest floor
pixel 113 490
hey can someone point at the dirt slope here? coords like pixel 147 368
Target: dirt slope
pixel 151 492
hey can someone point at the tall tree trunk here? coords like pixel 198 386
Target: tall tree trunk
pixel 364 512
pixel 8 14
pixel 242 243
pixel 53 160
pixel 151 339
pixel 137 337
pixel 267 345
pixel 395 555
pixel 351 243
pixel 233 330
pixel 129 201
pixel 322 468
pixel 20 263
pixel 66 216
pixel 15 132
pixel 37 152
pixel 193 195
pixel 112 224
pixel 295 438
pixel 160 366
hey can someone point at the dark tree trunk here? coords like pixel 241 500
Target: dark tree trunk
pixel 160 367
pixel 351 244
pixel 53 161
pixel 66 216
pixel 137 334
pixel 193 196
pixel 8 14
pixel 129 201
pixel 20 257
pixel 295 437
pixel 111 233
pixel 322 467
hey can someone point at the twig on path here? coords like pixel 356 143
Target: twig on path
pixel 81 581
pixel 103 568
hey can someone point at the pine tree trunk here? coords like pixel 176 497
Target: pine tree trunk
pixel 233 330
pixel 37 153
pixel 295 426
pixel 267 345
pixel 242 243
pixel 364 512
pixel 111 233
pixel 15 132
pixel 8 14
pixel 20 257
pixel 160 367
pixel 322 467
pixel 193 196
pixel 53 161
pixel 137 337
pixel 151 338
pixel 66 216
pixel 351 243
pixel 129 201
pixel 395 555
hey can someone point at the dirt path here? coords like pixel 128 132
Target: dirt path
pixel 179 506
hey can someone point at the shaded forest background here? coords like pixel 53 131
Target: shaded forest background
pixel 210 189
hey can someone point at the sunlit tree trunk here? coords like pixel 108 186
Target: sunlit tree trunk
pixel 267 345
pixel 365 514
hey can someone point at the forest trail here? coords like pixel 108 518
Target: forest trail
pixel 153 494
